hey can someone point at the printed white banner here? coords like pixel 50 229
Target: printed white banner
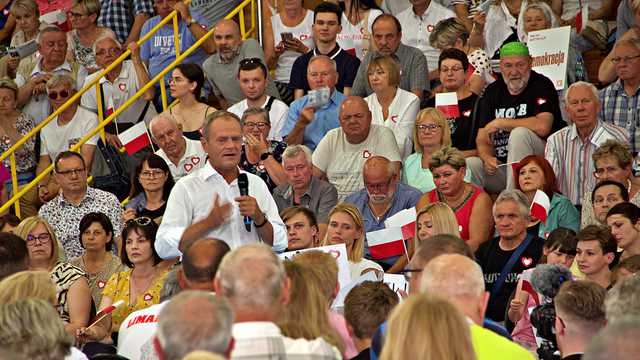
pixel 549 50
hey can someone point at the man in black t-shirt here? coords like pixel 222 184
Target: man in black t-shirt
pixel 516 114
pixel 326 26
pixel 511 215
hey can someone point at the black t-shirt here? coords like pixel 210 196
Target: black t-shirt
pixel 492 259
pixel 539 96
pixel 346 63
pixel 463 129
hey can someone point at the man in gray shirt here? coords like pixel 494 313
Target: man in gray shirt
pixel 221 68
pixel 414 71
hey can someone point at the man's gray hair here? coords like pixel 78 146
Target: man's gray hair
pixel 617 341
pixel 47 29
pixel 323 57
pixel 251 277
pixel 160 117
pixel 103 38
pixel 453 275
pixel 591 87
pixel 623 300
pixel 194 320
pixel 170 287
pixel 61 79
pixel 516 196
pixel 294 150
pixel 219 114
pixel 255 111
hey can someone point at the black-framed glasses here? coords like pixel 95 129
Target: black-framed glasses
pixel 63 94
pixel 150 174
pixel 408 273
pixel 429 127
pixel 256 125
pixel 42 238
pixel 142 221
pixel 78 171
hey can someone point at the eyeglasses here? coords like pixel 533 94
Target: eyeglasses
pixel 408 273
pixel 428 127
pixel 42 238
pixel 598 173
pixel 149 174
pixel 378 187
pixel 63 94
pixel 111 51
pixel 259 126
pixel 142 221
pixel 71 172
pixel 626 59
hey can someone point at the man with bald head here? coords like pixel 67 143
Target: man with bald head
pixel 181 154
pixel 382 197
pixel 341 154
pixel 221 68
pixel 254 281
pixel 459 279
pixel 200 263
pixel 309 121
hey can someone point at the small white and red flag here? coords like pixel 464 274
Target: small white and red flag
pixel 582 17
pixel 135 138
pixel 540 206
pixel 405 220
pixel 447 103
pixel 386 243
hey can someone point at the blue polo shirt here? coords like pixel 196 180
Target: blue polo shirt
pixel 325 119
pixel 405 197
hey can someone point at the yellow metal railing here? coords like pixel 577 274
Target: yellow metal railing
pixel 10 153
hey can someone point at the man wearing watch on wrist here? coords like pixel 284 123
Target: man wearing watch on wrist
pixel 158 53
pixel 207 202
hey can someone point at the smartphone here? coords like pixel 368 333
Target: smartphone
pixel 286 36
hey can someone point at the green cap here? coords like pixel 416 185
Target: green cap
pixel 515 48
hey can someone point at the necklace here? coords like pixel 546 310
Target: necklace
pixel 466 195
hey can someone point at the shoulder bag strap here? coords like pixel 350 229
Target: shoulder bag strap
pixel 509 265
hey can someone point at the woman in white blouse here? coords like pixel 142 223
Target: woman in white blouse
pixel 389 105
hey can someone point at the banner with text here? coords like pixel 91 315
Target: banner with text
pixel 549 50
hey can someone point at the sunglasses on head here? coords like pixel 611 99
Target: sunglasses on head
pixel 63 94
pixel 142 221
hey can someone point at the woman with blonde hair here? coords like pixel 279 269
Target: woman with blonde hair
pixel 411 334
pixel 346 226
pixel 307 313
pixel 27 284
pixel 430 133
pixel 435 219
pixel 72 288
pixel 391 106
pixel 469 202
pixel 85 31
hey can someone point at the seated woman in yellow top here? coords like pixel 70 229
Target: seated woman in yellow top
pixel 139 287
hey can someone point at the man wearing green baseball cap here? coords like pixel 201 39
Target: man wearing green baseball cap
pixel 515 116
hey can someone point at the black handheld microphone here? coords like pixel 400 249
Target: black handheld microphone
pixel 243 185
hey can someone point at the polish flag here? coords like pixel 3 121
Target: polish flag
pixel 470 71
pixel 447 103
pixel 540 206
pixel 109 309
pixel 582 17
pixel 386 243
pixel 4 174
pixel 406 220
pixel 135 138
pixel 527 287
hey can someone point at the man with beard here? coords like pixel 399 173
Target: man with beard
pixel 516 114
pixel 253 80
pixel 221 68
pixel 382 197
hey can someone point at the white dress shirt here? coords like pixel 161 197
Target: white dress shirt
pixel 191 200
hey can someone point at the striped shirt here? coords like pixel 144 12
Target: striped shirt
pixel 620 109
pixel 570 157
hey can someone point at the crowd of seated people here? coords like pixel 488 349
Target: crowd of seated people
pixel 308 195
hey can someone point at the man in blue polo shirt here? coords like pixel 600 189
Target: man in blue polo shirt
pixel 382 197
pixel 326 26
pixel 308 120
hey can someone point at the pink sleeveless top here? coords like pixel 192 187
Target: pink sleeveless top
pixel 463 213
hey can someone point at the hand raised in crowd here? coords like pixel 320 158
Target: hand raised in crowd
pixel 280 48
pixel 113 140
pixel 249 207
pixel 183 9
pixel 129 214
pixel 39 83
pixel 306 115
pixel 135 51
pixel 44 194
pixel 258 145
pixel 219 213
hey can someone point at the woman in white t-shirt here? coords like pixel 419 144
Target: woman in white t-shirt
pixel 389 105
pixel 346 226
pixel 290 37
pixel 357 21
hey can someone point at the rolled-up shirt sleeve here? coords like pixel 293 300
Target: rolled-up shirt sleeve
pixel 270 209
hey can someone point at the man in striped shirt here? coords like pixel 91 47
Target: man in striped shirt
pixel 569 150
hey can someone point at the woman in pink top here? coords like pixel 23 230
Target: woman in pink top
pixel 470 203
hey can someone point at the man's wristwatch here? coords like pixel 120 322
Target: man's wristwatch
pixel 263 223
pixel 265 155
